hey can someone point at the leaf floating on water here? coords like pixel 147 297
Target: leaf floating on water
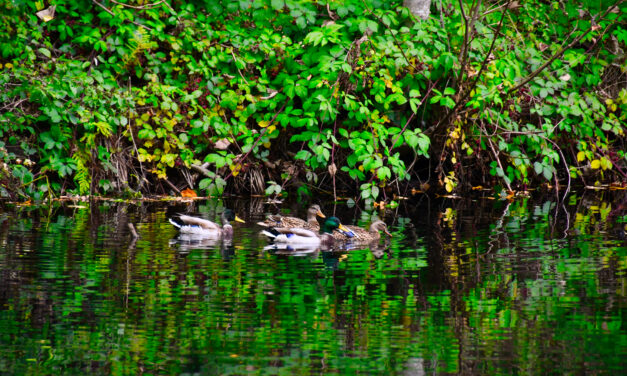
pixel 46 14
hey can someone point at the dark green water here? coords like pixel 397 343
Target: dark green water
pixel 464 287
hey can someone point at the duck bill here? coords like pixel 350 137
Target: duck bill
pixel 238 219
pixel 387 232
pixel 319 214
pixel 346 231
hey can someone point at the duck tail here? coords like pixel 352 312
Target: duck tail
pixel 176 222
pixel 271 233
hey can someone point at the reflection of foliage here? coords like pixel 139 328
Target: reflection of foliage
pixel 77 300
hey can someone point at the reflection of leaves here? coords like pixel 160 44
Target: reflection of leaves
pixel 249 304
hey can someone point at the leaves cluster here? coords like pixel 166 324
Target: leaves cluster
pixel 113 96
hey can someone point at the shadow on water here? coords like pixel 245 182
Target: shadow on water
pixel 472 286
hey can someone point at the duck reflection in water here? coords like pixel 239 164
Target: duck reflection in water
pixel 187 242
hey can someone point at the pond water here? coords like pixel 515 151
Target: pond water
pixel 467 286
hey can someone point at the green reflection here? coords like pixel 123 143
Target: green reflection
pixel 479 287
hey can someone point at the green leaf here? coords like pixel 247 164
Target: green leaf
pixel 375 192
pixel 547 172
pixel 45 52
pixel 277 4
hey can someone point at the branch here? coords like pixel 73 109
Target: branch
pixel 474 83
pixel 147 6
pixel 113 14
pixel 559 52
pixel 469 31
pixel 240 160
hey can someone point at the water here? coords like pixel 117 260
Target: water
pixel 473 286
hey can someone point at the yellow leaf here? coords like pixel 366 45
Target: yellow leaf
pixel 264 123
pixel 581 156
pixel 595 164
pixel 271 129
pixel 235 169
pixel 606 164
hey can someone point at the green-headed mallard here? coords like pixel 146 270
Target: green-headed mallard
pixel 304 236
pixel 361 235
pixel 205 228
pixel 292 222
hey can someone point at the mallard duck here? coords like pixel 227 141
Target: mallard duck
pixel 361 235
pixel 205 228
pixel 292 222
pixel 304 236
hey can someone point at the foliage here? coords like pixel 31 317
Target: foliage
pixel 120 97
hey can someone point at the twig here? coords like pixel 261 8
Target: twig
pixel 172 186
pixel 147 6
pixel 132 229
pixel 239 71
pixel 202 170
pixel 243 158
pixel 467 92
pixel 498 160
pixel 113 14
pixel 130 130
pixel 392 34
pixel 412 115
pixel 468 34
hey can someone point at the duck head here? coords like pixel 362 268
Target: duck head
pixel 333 223
pixel 230 215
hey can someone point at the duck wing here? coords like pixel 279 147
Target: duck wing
pixel 200 222
pixel 296 231
pixel 285 222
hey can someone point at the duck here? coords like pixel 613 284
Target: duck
pixel 293 222
pixel 200 227
pixel 361 235
pixel 301 236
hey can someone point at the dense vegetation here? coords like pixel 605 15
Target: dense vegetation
pixel 107 97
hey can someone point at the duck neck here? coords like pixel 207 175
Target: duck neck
pixel 325 229
pixel 225 222
pixel 374 232
pixel 311 218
